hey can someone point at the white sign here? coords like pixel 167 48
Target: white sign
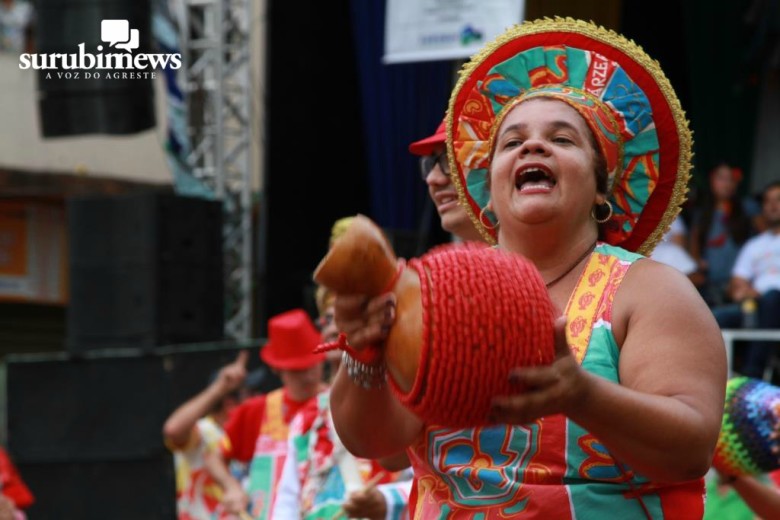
pixel 425 30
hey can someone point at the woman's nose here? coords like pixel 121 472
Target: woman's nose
pixel 534 146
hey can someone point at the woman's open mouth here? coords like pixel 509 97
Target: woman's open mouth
pixel 534 179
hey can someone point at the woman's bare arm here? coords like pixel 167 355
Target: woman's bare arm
pixel 664 417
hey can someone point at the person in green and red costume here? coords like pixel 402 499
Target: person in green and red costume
pixel 570 148
pixel 258 428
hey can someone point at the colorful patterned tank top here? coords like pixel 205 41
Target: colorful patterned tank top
pixel 266 466
pixel 551 468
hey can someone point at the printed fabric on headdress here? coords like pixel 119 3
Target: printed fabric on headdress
pixel 617 89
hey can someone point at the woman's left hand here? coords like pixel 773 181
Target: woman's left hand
pixel 543 390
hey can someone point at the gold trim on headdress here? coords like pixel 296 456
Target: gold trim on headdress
pixel 632 51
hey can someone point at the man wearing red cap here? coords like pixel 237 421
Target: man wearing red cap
pixel 257 430
pixel 435 172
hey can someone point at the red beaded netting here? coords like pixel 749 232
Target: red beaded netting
pixel 485 311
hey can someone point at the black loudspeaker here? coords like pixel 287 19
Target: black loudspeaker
pixel 87 410
pixel 76 101
pixel 100 408
pixel 86 432
pixel 126 490
pixel 189 372
pixel 86 436
pixel 145 270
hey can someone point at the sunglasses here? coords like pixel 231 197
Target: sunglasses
pixel 427 162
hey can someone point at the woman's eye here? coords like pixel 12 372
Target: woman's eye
pixel 562 139
pixel 511 143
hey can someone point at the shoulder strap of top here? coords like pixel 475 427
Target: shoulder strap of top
pixel 592 297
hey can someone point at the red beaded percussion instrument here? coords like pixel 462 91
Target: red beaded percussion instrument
pixel 465 316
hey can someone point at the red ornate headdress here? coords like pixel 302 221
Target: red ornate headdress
pixel 620 91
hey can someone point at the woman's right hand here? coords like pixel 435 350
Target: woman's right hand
pixel 365 321
pixel 547 389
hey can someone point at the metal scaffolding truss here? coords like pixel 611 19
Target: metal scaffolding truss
pixel 216 65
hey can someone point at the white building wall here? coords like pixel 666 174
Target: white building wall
pixel 137 157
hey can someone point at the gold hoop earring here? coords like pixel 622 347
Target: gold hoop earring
pixel 483 219
pixel 609 213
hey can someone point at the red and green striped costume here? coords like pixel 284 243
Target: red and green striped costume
pixel 550 468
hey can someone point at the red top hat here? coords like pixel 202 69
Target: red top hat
pixel 426 146
pixel 292 338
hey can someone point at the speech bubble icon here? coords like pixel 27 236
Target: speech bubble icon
pixel 134 43
pixel 115 31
